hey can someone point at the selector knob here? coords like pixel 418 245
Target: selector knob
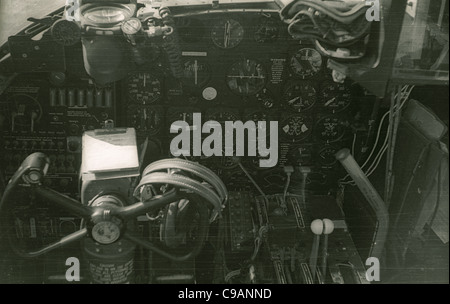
pixel 73 146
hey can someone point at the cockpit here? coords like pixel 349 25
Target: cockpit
pixel 224 142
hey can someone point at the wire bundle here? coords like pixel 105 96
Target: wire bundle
pixel 330 23
pixel 405 92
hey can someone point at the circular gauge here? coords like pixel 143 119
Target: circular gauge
pixel 336 97
pixel 296 127
pixel 267 30
pixel 26 110
pixel 227 33
pixel 266 99
pixel 330 128
pixel 300 155
pixel 327 155
pixel 57 78
pixel 144 88
pixel 147 120
pixel 132 26
pixel 65 32
pixel 105 232
pixel 106 15
pixel 299 96
pixel 246 77
pixel 306 63
pixel 196 73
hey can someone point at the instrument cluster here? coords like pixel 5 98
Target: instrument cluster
pixel 244 66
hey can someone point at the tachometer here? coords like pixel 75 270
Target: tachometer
pixel 144 88
pixel 336 97
pixel 227 34
pixel 299 96
pixel 246 77
pixel 306 63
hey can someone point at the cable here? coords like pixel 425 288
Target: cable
pixel 405 92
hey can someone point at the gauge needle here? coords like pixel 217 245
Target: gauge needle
pixel 196 71
pixel 294 100
pixel 330 101
pixel 227 33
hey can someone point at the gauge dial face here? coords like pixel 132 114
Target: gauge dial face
pixel 65 32
pixel 306 63
pixel 327 155
pixel 146 119
pixel 196 73
pixel 266 99
pixel 267 30
pixel 105 232
pixel 144 88
pixel 246 77
pixel 330 128
pixel 300 96
pixel 132 26
pixel 296 128
pixel 336 97
pixel 227 34
pixel 107 14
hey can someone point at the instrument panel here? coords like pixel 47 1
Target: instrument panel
pixel 244 66
pixel 236 66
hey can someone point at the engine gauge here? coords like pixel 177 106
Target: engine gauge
pixel 306 63
pixel 296 127
pixel 267 30
pixel 336 97
pixel 196 73
pixel 66 32
pixel 227 34
pixel 330 128
pixel 327 155
pixel 246 77
pixel 266 99
pixel 300 96
pixel 148 120
pixel 144 88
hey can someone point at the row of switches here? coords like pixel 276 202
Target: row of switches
pixel 81 97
